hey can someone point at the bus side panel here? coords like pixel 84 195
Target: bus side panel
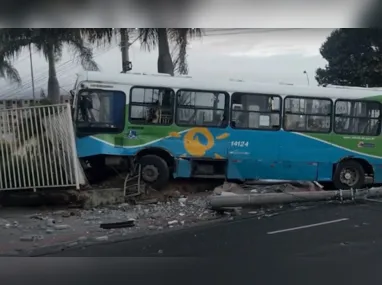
pixel 325 171
pixel 253 154
pixel 377 166
pixel 301 156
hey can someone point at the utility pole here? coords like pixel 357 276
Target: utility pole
pixel 307 76
pixel 126 63
pixel 31 63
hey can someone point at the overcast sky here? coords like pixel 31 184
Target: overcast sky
pixel 263 55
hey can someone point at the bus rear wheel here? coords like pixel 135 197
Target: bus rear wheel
pixel 349 175
pixel 154 171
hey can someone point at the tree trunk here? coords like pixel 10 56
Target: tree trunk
pixel 53 85
pixel 165 64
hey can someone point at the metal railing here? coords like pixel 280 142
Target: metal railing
pixel 37 148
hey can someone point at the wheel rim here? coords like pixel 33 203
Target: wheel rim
pixel 349 176
pixel 150 173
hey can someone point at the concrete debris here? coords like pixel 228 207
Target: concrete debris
pixel 37 217
pixel 50 222
pixel 148 201
pixel 102 238
pixel 229 187
pixel 125 224
pixel 31 238
pixel 49 231
pixel 82 239
pixel 177 209
pixel 182 200
pixel 3 222
pixel 61 227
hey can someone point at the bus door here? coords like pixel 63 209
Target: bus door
pixel 306 149
pixel 253 150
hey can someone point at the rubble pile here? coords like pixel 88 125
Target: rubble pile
pixel 173 208
pixel 21 230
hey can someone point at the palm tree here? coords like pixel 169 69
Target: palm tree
pixel 161 38
pixel 169 61
pixel 50 42
pixel 8 71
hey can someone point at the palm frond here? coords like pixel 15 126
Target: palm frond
pixel 13 42
pixel 196 33
pixel 148 38
pixel 85 54
pixel 182 43
pixel 180 37
pixel 9 72
pixel 99 36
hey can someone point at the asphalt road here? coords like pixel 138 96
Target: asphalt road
pixel 346 240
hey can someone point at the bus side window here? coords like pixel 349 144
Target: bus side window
pixel 306 114
pixel 256 111
pixel 357 117
pixel 151 105
pixel 201 108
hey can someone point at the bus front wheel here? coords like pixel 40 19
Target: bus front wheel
pixel 154 171
pixel 349 175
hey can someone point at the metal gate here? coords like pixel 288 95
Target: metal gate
pixel 37 148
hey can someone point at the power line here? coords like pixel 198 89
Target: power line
pixel 28 84
pixel 42 78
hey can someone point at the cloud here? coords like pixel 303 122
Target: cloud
pixel 268 43
pixel 269 51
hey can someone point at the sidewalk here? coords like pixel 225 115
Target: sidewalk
pixel 27 230
pixel 24 230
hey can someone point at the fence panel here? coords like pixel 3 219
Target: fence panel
pixel 37 148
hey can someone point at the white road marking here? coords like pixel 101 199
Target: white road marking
pixel 308 226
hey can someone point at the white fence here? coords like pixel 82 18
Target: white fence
pixel 37 148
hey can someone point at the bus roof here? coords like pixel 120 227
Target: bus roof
pixel 187 82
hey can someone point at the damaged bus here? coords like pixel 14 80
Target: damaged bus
pixel 181 127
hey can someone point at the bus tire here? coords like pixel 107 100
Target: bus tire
pixel 349 174
pixel 154 170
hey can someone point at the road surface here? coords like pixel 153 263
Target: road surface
pixel 346 240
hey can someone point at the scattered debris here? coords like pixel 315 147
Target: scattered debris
pixel 227 187
pixel 82 239
pixel 127 224
pixel 50 222
pixel 31 238
pixel 182 200
pixel 174 222
pixel 102 238
pixel 37 217
pixel 148 201
pixel 61 227
pixel 171 209
pixel 49 231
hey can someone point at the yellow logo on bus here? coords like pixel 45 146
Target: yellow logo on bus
pixel 194 147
